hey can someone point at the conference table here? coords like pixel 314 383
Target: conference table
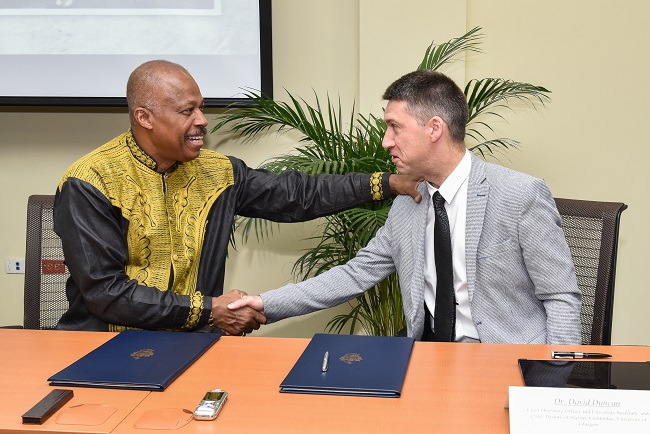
pixel 452 387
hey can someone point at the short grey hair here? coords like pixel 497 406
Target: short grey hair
pixel 429 93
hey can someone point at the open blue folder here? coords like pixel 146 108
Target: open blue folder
pixel 357 365
pixel 136 359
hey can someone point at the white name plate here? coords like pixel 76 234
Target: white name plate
pixel 540 410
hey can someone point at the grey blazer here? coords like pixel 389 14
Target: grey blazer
pixel 521 279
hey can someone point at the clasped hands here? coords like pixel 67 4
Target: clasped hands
pixel 237 313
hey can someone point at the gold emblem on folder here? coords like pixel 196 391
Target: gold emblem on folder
pixel 350 358
pixel 142 353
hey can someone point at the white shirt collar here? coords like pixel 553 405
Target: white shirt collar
pixel 455 180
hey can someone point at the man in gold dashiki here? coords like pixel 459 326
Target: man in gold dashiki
pixel 145 219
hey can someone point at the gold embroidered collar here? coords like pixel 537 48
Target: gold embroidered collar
pixel 142 156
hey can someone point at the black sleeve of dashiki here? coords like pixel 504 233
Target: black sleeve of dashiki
pixel 295 196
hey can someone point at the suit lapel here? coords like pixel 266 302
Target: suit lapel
pixel 477 197
pixel 414 296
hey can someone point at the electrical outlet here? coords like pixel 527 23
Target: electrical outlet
pixel 15 266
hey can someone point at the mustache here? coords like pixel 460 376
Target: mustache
pixel 202 132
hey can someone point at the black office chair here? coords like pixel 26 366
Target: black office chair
pixel 45 270
pixel 591 230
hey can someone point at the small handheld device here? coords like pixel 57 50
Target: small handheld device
pixel 47 406
pixel 211 404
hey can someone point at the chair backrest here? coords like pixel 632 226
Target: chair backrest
pixel 591 230
pixel 45 270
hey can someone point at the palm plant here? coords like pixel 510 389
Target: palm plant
pixel 327 144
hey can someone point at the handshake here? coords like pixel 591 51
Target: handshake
pixel 237 313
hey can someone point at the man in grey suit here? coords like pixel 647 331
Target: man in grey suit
pixel 513 277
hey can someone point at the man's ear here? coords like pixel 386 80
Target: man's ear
pixel 143 117
pixel 437 126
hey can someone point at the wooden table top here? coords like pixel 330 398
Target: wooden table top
pixel 454 387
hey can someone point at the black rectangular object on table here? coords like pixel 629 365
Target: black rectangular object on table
pixel 358 366
pixel 47 406
pixel 590 374
pixel 136 359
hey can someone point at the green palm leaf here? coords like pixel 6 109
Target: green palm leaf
pixel 486 95
pixel 436 56
pixel 343 235
pixel 374 311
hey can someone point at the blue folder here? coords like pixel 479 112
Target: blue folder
pixel 358 366
pixel 136 359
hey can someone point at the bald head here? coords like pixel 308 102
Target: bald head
pixel 143 89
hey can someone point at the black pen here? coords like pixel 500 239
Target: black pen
pixel 326 359
pixel 574 355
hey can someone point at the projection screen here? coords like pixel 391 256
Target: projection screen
pixel 81 52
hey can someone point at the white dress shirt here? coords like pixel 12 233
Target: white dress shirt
pixel 454 191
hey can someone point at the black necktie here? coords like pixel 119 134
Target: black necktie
pixel 444 316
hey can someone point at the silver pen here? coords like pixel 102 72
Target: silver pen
pixel 577 355
pixel 326 360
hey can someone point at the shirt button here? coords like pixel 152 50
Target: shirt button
pixel 175 257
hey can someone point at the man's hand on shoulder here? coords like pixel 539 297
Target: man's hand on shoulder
pixel 405 184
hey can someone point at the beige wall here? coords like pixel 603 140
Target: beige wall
pixel 590 54
pixel 588 143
